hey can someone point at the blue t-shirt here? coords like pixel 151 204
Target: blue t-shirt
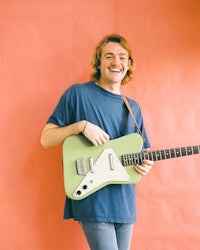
pixel 88 101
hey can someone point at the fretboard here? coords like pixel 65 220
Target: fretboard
pixel 164 154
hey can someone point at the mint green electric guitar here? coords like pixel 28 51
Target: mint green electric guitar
pixel 88 168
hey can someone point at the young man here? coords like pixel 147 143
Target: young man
pixel 96 110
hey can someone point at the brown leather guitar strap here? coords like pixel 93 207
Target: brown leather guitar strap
pixel 132 115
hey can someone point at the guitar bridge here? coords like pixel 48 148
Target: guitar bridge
pixel 80 166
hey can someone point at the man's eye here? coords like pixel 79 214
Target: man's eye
pixel 108 57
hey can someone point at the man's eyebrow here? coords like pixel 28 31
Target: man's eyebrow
pixel 111 53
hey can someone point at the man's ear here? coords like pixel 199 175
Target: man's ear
pixel 129 62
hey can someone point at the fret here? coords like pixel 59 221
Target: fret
pixel 146 156
pixel 159 155
pixel 177 150
pixel 167 154
pixel 150 157
pixel 184 151
pixel 154 156
pixel 124 160
pixel 163 154
pixel 196 149
pixel 141 158
pixel 189 150
pixel 170 156
pixel 172 153
pixel 130 159
pixel 151 153
pixel 138 159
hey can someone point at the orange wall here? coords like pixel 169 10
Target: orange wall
pixel 46 46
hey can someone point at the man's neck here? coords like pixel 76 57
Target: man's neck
pixel 114 88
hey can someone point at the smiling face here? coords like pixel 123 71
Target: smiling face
pixel 114 64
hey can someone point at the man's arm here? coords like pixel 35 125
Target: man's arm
pixel 53 135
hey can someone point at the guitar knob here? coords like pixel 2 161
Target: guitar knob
pixel 85 187
pixel 78 192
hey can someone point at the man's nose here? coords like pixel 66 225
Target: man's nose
pixel 115 60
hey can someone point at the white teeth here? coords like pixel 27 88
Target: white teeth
pixel 115 70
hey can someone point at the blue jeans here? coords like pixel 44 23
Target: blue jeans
pixel 108 236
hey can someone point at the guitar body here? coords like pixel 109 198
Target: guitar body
pixel 88 168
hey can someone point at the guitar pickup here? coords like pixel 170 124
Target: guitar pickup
pixel 80 166
pixel 111 162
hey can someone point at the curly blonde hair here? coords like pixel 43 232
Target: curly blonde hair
pixel 96 59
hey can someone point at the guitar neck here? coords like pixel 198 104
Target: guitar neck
pixel 157 155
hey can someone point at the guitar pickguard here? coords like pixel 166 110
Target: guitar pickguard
pixel 106 169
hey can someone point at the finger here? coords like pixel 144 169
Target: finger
pixel 147 163
pixel 94 141
pixel 106 136
pixel 142 169
pixel 104 139
pixel 98 141
pixel 101 140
